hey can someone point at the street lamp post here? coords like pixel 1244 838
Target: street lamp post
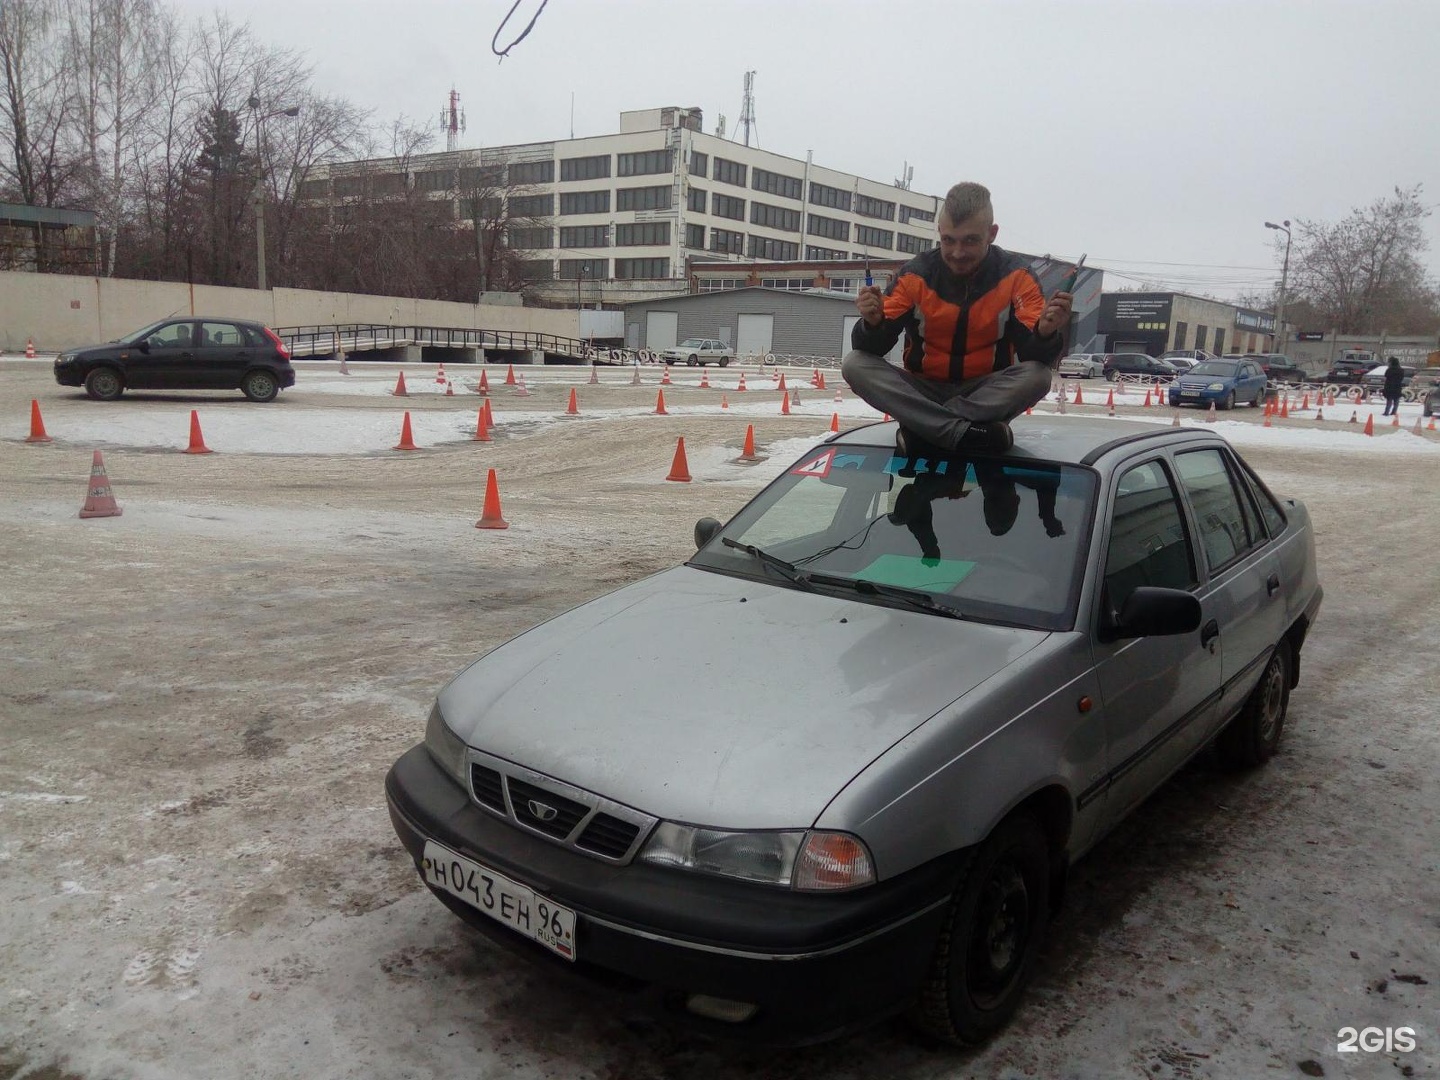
pixel 1284 275
pixel 293 110
pixel 580 273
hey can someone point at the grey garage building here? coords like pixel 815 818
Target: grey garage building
pixel 754 320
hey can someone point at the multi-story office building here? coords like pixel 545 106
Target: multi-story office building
pixel 616 217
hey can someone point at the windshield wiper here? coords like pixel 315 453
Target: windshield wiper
pixel 787 570
pixel 915 598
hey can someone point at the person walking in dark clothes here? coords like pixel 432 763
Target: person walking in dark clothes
pixel 980 339
pixel 1394 383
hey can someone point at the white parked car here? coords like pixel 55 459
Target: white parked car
pixel 1185 359
pixel 698 352
pixel 1083 365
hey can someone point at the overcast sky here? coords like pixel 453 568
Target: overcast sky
pixel 1142 133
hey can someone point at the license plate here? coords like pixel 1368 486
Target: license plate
pixel 1189 393
pixel 506 901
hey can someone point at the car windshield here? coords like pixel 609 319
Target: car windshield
pixel 1000 540
pixel 1214 367
pixel 143 333
pixel 692 343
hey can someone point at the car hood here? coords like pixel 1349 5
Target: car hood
pixel 715 700
pixel 88 352
pixel 1199 382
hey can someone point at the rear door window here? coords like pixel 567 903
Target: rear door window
pixel 1226 531
pixel 220 335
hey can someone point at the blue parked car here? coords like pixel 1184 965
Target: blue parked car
pixel 1226 383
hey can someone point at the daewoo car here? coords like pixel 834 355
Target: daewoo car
pixel 1082 365
pixel 837 764
pixel 1223 383
pixel 186 353
pixel 698 351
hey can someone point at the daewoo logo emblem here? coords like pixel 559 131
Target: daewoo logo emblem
pixel 540 811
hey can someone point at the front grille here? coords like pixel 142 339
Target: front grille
pixel 488 791
pixel 606 835
pixel 567 812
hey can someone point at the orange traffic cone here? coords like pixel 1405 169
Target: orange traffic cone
pixel 407 440
pixel 440 375
pixel 839 397
pixel 1079 400
pixel 782 380
pixel 1416 429
pixel 594 375
pixel 748 453
pixel 1147 397
pixel 1395 419
pixel 1110 401
pixel 30 348
pixel 635 376
pixel 510 375
pixel 1305 402
pixel 886 419
pixel 1267 421
pixel 835 421
pixel 724 402
pixel 1028 410
pixel 822 381
pixel 704 379
pixel 100 500
pixel 482 430
pixel 794 395
pixel 784 404
pixel 1285 408
pixel 489 416
pixel 1354 417
pixel 1176 421
pixel 679 468
pixel 1431 426
pixel 484 384
pixel 490 516
pixel 572 409
pixel 1332 399
pixel 660 402
pixel 521 390
pixel 741 384
pixel 449 388
pixel 1319 414
pixel 1370 424
pixel 37 424
pixel 815 377
pixel 1209 414
pixel 665 377
pixel 400 390
pixel 197 441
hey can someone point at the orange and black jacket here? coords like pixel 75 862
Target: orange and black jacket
pixel 959 328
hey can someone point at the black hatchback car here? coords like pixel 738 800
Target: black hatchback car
pixel 1117 364
pixel 189 353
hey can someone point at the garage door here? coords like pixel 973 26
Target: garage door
pixel 660 328
pixel 756 332
pixel 893 355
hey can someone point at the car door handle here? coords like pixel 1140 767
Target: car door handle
pixel 1208 633
pixel 1272 584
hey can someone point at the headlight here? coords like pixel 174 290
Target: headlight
pixel 447 748
pixel 1216 387
pixel 807 861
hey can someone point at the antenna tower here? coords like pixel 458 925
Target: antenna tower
pixel 452 121
pixel 907 174
pixel 747 109
pixel 720 127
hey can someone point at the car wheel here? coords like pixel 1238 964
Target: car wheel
pixel 1110 375
pixel 1253 736
pixel 990 936
pixel 260 386
pixel 724 361
pixel 692 361
pixel 1228 401
pixel 104 384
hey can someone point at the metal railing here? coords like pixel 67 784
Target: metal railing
pixel 366 337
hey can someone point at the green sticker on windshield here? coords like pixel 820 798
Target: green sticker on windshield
pixel 915 572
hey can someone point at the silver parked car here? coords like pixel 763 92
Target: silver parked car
pixel 837 764
pixel 1082 365
pixel 698 351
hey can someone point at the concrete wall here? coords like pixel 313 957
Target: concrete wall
pixel 805 325
pixel 61 311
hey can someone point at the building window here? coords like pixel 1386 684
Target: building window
pixel 844 284
pixel 913 245
pixel 762 247
pixel 390 183
pixel 774 217
pixel 830 228
pixel 1200 332
pixel 696 200
pixel 787 187
pixel 695 237
pixel 642 198
pixel 584 202
pixel 726 242
pixel 699 163
pixel 821 195
pixel 788 284
pixel 641 234
pixel 489 208
pixel 729 172
pixel 479 177
pixel 647 269
pixel 865 206
pixel 644 163
pixel 1219 340
pixel 706 284
pixel 585 236
pixel 538 269
pixel 910 213
pixel 532 206
pixel 530 239
pixel 314 189
pixel 532 172
pixel 875 238
pixel 435 180
pixel 585 168
pixel 584 269
pixel 1181 330
pixel 349 185
pixel 820 254
pixel 728 207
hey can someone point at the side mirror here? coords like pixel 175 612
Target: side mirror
pixel 144 345
pixel 705 530
pixel 1154 612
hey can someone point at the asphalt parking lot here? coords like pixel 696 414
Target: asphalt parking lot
pixel 199 700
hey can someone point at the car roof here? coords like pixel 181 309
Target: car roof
pixel 1077 440
pixel 215 318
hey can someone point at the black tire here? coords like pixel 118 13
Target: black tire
pixel 104 384
pixel 1110 375
pixel 724 361
pixel 692 361
pixel 990 938
pixel 260 386
pixel 1227 402
pixel 1253 736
